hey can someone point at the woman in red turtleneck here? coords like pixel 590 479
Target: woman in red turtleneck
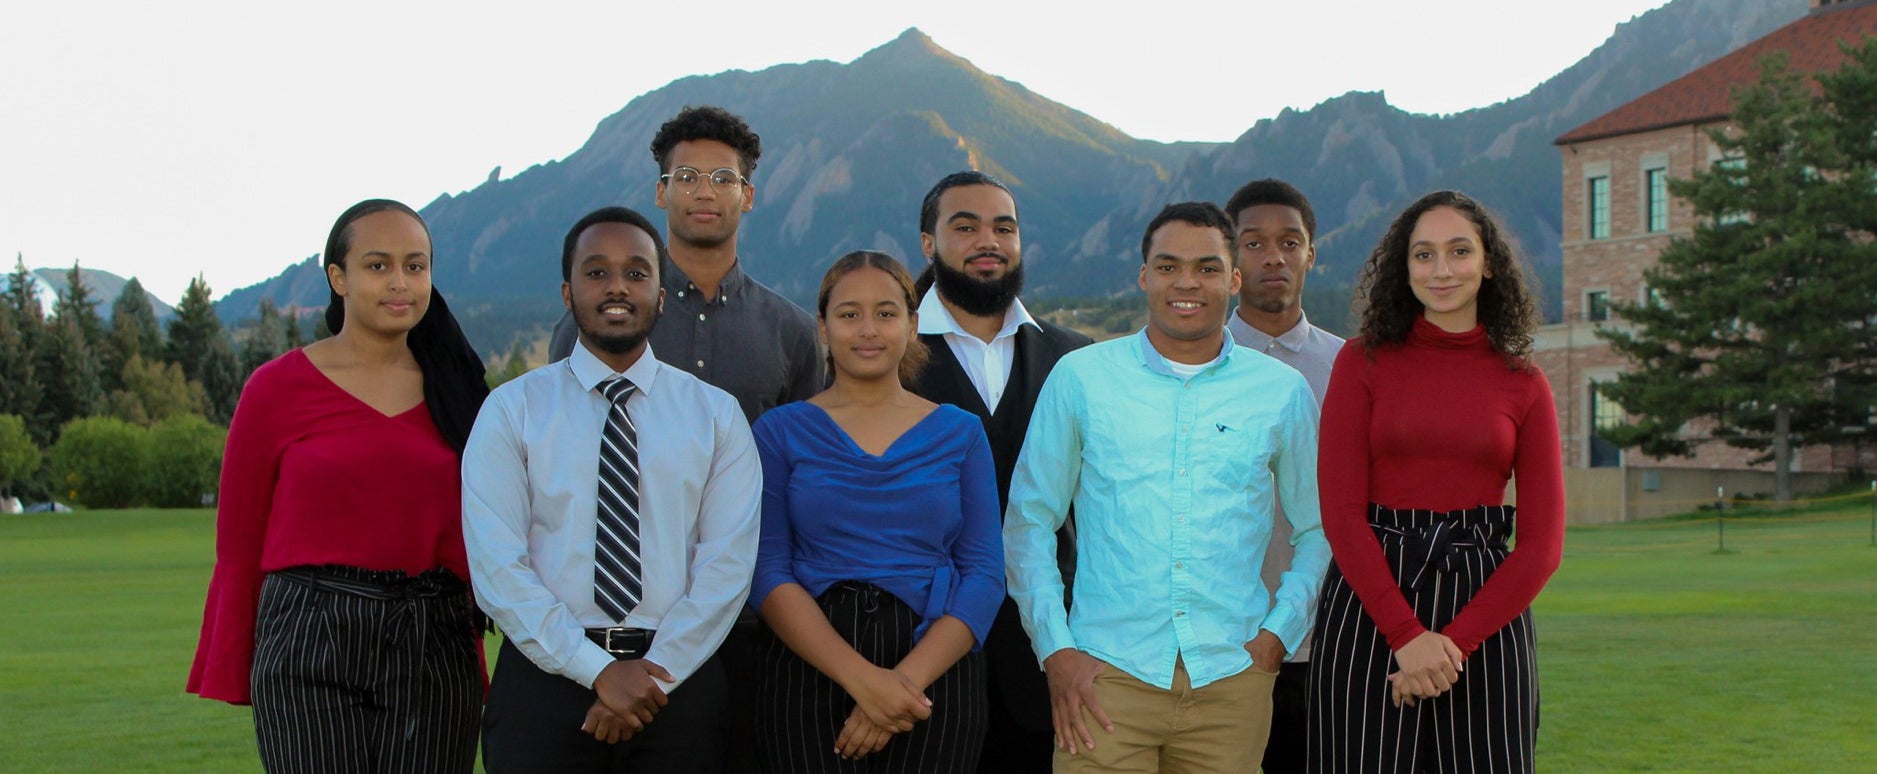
pixel 1425 649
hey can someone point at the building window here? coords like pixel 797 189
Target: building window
pixel 1604 414
pixel 1655 203
pixel 1600 207
pixel 1652 298
pixel 1597 305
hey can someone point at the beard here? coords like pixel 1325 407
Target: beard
pixel 613 343
pixel 981 298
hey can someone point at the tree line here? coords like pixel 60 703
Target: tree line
pixel 123 411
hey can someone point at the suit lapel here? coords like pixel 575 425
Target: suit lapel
pixel 945 378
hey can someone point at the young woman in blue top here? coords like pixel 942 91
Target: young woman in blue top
pixel 881 564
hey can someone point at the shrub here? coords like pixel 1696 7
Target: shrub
pixel 99 462
pixel 185 461
pixel 19 458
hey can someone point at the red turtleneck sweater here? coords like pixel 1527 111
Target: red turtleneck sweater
pixel 1439 422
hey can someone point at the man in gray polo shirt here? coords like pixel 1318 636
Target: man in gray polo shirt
pixel 719 324
pixel 1276 232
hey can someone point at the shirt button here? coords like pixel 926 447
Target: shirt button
pixel 1182 470
pixel 700 316
pixel 1179 614
pixel 1179 565
pixel 681 294
pixel 700 364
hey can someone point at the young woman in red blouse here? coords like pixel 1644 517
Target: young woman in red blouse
pixel 340 603
pixel 1425 648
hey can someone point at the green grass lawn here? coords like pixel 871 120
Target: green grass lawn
pixel 1656 654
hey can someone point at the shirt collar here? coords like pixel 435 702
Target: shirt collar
pixel 589 371
pixel 936 318
pixel 1293 339
pixel 1151 357
pixel 675 281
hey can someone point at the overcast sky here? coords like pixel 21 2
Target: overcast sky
pixel 163 140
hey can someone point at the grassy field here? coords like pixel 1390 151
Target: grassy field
pixel 1656 653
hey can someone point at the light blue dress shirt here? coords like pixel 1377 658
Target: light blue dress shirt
pixel 1173 482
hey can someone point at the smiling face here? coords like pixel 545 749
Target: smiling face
pixel 867 325
pixel 1446 266
pixel 1275 256
pixel 1189 279
pixel 614 293
pixel 977 248
pixel 706 216
pixel 385 274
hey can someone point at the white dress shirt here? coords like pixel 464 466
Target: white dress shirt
pixel 986 364
pixel 530 478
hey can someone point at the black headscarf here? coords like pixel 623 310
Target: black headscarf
pixel 453 373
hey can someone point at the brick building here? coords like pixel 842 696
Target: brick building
pixel 1618 216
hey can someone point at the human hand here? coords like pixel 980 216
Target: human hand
pixel 627 689
pixel 608 727
pixel 1429 665
pixel 889 699
pixel 1071 675
pixel 860 737
pixel 1267 652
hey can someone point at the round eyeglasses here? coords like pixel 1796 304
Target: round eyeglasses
pixel 685 179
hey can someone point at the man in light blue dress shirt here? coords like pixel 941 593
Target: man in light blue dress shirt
pixel 575 687
pixel 1173 446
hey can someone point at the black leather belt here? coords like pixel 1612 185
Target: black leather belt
pixel 623 642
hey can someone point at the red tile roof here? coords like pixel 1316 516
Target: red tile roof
pixel 1810 43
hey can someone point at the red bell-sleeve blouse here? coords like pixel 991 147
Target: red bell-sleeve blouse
pixel 315 476
pixel 1439 422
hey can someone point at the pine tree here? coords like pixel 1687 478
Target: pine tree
pixel 265 341
pixel 69 372
pixel 25 390
pixel 1764 313
pixel 290 323
pixel 78 304
pixel 133 333
pixel 198 344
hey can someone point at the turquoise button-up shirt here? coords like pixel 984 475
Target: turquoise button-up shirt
pixel 1172 481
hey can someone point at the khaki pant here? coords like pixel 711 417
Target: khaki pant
pixel 1219 728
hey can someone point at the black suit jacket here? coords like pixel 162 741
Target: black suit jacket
pixel 1014 675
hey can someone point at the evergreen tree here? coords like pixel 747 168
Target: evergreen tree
pixel 68 371
pixel 198 344
pixel 133 333
pixel 25 389
pixel 1763 315
pixel 78 304
pixel 290 323
pixel 265 341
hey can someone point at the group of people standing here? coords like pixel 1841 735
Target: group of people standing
pixel 917 530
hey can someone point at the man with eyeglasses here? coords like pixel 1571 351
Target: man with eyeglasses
pixel 719 324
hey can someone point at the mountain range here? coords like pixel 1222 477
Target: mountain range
pixel 849 149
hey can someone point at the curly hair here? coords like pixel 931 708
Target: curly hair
pixel 917 354
pixel 1506 306
pixel 707 122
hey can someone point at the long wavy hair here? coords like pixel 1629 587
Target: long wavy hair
pixel 1506 306
pixel 917 354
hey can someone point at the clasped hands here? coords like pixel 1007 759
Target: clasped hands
pixel 1429 665
pixel 886 702
pixel 628 699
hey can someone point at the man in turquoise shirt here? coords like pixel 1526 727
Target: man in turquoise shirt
pixel 1173 447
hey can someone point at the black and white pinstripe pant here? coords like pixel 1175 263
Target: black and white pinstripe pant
pixel 366 671
pixel 1488 722
pixel 801 711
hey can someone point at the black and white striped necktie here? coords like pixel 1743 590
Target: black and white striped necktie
pixel 617 587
